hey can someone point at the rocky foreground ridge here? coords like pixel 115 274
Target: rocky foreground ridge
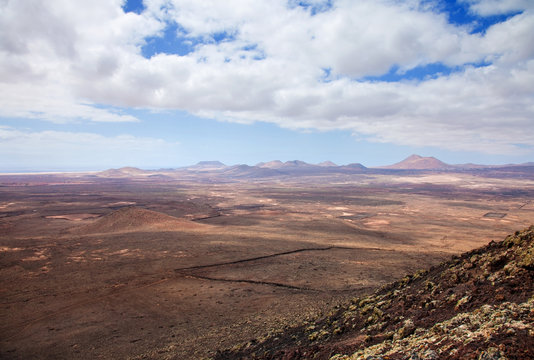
pixel 479 305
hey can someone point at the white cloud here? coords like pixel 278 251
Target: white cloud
pixel 49 150
pixel 497 7
pixel 56 63
pixel 53 103
pixel 49 49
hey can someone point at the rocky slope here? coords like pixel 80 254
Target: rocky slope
pixel 479 305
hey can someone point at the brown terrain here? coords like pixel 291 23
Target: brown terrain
pixel 185 263
pixel 479 305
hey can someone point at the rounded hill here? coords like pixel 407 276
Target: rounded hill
pixel 133 218
pixel 416 162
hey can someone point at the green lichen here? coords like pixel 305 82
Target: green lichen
pixel 527 259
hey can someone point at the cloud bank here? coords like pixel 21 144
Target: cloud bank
pixel 301 65
pixel 27 150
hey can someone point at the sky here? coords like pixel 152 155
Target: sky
pixel 91 85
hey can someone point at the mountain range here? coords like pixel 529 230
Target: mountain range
pixel 300 168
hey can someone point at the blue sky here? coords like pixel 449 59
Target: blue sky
pixel 168 83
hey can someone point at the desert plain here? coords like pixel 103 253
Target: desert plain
pixel 178 265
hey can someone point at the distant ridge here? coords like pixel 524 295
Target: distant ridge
pixel 207 165
pixel 355 166
pixel 293 168
pixel 246 171
pixel 210 163
pixel 275 164
pixel 327 164
pixel 417 162
pixel 122 172
pixel 294 163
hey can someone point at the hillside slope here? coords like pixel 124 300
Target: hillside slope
pixel 479 305
pixel 129 219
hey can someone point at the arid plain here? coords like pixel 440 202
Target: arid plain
pixel 180 264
